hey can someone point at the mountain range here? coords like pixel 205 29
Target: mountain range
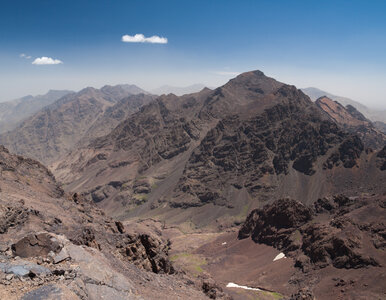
pixel 183 196
pixel 58 127
pixel 214 155
pixel 12 112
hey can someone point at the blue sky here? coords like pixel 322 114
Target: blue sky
pixel 339 46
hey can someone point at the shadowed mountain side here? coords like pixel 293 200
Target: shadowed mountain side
pixel 214 155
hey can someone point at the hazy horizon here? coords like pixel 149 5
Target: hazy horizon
pixel 335 47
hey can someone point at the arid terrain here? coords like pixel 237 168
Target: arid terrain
pixel 247 191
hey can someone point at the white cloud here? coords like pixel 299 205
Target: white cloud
pixel 25 56
pixel 226 73
pixel 46 61
pixel 140 38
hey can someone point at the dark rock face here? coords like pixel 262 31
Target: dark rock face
pixel 84 236
pixel 273 224
pixel 120 226
pixel 213 291
pixel 355 113
pixel 147 252
pixel 335 236
pixel 11 216
pixel 156 130
pixel 35 245
pixel 381 159
pixel 46 292
pixel 240 151
pixel 348 153
pixel 341 248
pixel 302 294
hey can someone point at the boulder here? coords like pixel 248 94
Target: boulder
pixel 36 245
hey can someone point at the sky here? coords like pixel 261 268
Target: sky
pixel 337 46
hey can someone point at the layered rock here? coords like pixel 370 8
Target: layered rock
pixel 353 121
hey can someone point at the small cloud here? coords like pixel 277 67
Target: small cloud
pixel 25 56
pixel 46 61
pixel 226 73
pixel 140 38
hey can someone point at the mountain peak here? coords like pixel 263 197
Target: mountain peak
pixel 253 81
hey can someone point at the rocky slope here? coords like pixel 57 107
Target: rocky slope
pixel 208 158
pixel 13 112
pixel 57 128
pixel 53 245
pixel 337 244
pixel 353 121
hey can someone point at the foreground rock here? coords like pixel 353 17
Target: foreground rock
pixel 54 245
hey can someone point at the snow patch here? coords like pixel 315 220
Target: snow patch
pixel 224 243
pixel 279 256
pixel 234 285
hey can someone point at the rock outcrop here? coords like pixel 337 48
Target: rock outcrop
pixel 333 232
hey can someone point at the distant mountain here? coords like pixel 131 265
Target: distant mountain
pixel 207 158
pixel 353 121
pixel 179 91
pixel 12 112
pixel 57 128
pixel 372 114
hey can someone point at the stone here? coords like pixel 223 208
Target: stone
pixel 36 245
pixel 50 292
pixel 9 277
pixel 62 255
